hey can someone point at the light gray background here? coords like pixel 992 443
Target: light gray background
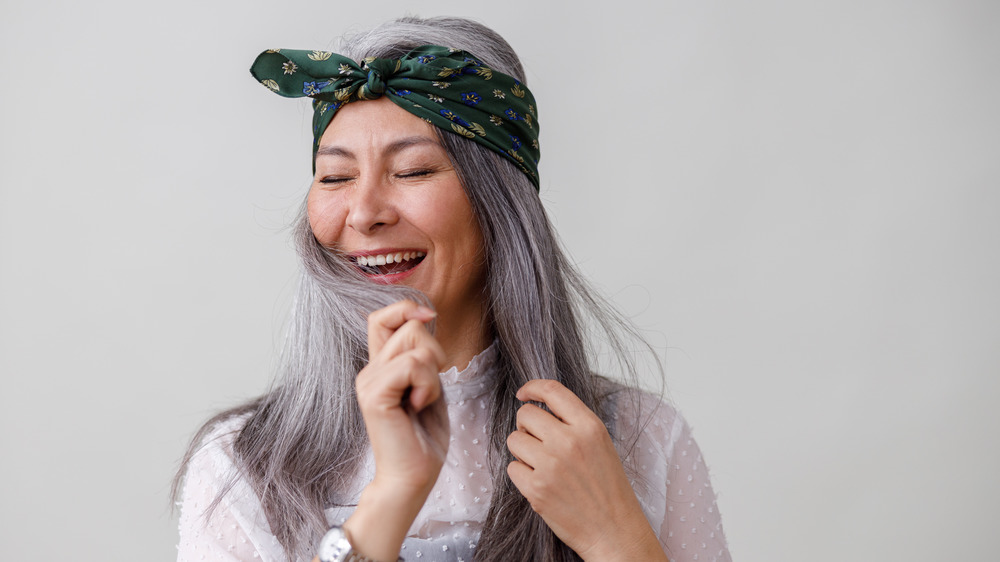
pixel 798 200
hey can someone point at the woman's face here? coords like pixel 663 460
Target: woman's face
pixel 385 193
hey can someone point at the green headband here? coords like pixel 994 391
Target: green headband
pixel 446 87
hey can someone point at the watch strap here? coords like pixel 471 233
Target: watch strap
pixel 335 546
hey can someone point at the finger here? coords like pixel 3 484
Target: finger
pixel 432 428
pixel 520 475
pixel 560 400
pixel 411 335
pixel 423 381
pixel 526 448
pixel 385 321
pixel 383 387
pixel 425 384
pixel 538 422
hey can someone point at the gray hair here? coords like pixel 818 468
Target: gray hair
pixel 304 438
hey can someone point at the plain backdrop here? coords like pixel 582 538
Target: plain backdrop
pixel 798 201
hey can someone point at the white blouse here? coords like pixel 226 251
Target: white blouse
pixel 673 490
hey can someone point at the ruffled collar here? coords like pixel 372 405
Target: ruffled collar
pixel 472 381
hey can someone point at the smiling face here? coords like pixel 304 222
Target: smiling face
pixel 386 194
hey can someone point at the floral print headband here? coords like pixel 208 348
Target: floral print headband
pixel 446 87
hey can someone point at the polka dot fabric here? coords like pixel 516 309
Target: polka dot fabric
pixel 672 485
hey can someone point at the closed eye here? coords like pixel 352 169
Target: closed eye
pixel 333 180
pixel 414 174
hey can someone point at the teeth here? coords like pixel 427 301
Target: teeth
pixel 384 259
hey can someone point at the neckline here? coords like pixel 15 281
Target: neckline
pixel 472 381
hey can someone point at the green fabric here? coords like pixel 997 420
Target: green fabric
pixel 446 87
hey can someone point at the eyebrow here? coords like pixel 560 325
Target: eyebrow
pixel 394 147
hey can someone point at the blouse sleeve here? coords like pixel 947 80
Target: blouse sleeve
pixel 235 529
pixel 692 526
pixel 671 481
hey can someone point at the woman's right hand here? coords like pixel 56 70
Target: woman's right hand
pixel 398 393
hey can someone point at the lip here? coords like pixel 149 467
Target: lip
pixel 391 278
pixel 378 251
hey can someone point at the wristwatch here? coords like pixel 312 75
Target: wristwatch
pixel 335 546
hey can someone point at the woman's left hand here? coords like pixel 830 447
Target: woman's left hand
pixel 568 469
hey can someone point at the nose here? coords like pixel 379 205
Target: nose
pixel 371 205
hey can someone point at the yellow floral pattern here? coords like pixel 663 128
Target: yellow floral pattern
pixel 449 88
pixel 319 55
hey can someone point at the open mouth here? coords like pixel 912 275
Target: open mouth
pixel 389 264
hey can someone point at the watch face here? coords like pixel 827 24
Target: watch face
pixel 334 547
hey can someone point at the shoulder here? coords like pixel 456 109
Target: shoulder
pixel 214 444
pixel 221 517
pixel 209 468
pixel 668 474
pixel 638 415
pixel 653 438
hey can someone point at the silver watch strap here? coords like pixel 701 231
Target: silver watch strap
pixel 335 546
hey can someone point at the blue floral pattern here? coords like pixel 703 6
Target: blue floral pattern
pixel 452 116
pixel 441 85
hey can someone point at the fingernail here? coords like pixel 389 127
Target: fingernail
pixel 427 312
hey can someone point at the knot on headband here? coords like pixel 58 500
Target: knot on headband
pixel 448 88
pixel 375 85
pixel 377 69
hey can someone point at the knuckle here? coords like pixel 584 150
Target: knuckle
pixel 549 385
pixel 541 492
pixel 380 315
pixel 522 413
pixel 414 331
pixel 363 378
pixel 366 402
pixel 593 429
pixel 426 356
pixel 418 361
pixel 377 316
pixel 412 361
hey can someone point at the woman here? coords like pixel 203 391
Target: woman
pixel 437 399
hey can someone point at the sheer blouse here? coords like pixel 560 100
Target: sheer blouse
pixel 672 485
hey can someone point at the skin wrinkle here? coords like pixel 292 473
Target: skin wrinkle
pixel 540 309
pixel 376 204
pixel 398 145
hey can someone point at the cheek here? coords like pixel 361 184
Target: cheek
pixel 459 225
pixel 326 218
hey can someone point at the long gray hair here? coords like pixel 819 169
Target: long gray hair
pixel 304 439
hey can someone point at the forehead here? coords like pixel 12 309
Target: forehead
pixel 374 122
